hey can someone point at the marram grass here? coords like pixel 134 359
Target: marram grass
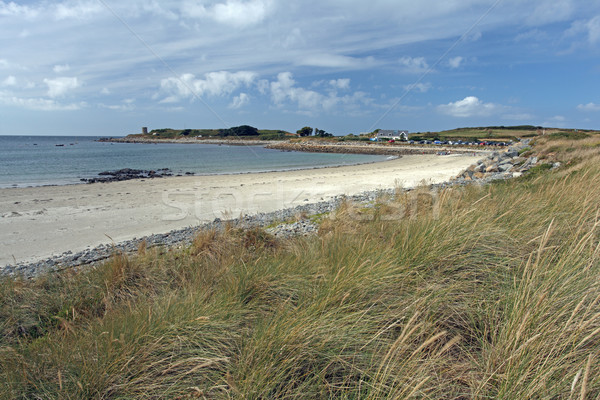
pixel 471 293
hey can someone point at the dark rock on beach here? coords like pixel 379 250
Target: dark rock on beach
pixel 126 174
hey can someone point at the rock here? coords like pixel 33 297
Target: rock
pixel 127 174
pixel 510 153
pixel 492 168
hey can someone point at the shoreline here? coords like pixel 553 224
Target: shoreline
pixel 307 168
pixel 310 146
pixel 372 148
pixel 42 222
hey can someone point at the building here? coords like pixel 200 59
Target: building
pixel 392 134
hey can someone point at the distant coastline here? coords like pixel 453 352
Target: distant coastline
pixel 311 146
pixel 192 140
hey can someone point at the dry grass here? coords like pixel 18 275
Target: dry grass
pixel 476 292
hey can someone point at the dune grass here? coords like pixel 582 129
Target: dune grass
pixel 469 293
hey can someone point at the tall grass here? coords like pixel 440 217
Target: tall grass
pixel 476 292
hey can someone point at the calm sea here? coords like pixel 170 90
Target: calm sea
pixel 37 160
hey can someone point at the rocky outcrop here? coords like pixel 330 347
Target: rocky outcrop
pixel 126 174
pixel 500 165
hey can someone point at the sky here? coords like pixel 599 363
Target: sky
pixel 107 67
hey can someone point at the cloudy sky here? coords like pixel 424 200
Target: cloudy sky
pixel 107 67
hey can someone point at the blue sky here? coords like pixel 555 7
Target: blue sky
pixel 106 67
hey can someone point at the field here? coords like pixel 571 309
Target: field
pixel 499 133
pixel 472 292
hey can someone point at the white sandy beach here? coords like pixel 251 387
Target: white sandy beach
pixel 40 222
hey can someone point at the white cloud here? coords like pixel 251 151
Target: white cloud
pixel 283 89
pixel 455 62
pixel 3 63
pixel 310 101
pixel 214 84
pixel 414 65
pixel 293 39
pixel 589 107
pixel 474 36
pixel 9 81
pixel 38 103
pixel 59 10
pixel 105 91
pixel 153 7
pixel 78 10
pixel 241 14
pixel 550 11
pixel 239 101
pixel 585 30
pixel 532 35
pixel 468 107
pixel 61 68
pixel 12 9
pixel 128 105
pixel 343 83
pixel 60 86
pixel 232 12
pixel 421 87
pixel 335 61
pixel 263 86
pixel 593 27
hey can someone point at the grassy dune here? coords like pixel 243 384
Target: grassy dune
pixel 471 293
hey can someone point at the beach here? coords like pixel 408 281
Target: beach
pixel 40 222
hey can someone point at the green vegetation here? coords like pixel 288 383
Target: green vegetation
pixel 573 135
pixel 353 138
pixel 244 131
pixel 480 133
pixel 503 133
pixel 471 293
pixel 306 131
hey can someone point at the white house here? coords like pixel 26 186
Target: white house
pixel 390 134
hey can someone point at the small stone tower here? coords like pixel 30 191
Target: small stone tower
pixel 144 130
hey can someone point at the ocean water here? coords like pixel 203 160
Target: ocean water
pixel 37 160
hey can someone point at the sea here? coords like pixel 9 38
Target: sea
pixel 63 160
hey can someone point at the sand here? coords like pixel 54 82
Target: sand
pixel 39 222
